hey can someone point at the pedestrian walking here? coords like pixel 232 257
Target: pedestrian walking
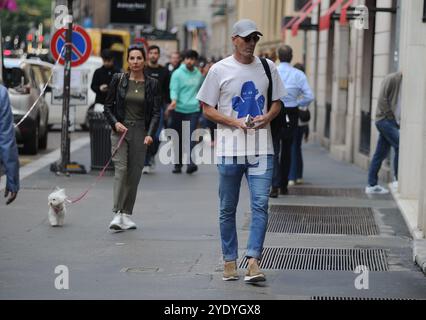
pixel 299 95
pixel 103 76
pixel 175 61
pixel 388 117
pixel 156 71
pixel 133 105
pixel 236 90
pixel 8 148
pixel 302 133
pixel 184 85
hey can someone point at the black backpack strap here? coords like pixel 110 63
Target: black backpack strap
pixel 268 74
pixel 280 121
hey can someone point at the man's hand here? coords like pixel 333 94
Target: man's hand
pixel 103 88
pixel 170 108
pixel 12 196
pixel 260 122
pixel 240 124
pixel 148 140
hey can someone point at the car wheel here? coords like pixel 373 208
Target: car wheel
pixel 31 144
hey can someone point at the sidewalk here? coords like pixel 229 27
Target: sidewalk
pixel 175 253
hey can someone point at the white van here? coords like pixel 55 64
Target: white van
pixel 55 116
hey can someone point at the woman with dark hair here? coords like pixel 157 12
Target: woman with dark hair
pixel 132 107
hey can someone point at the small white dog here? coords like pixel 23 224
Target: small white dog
pixel 57 210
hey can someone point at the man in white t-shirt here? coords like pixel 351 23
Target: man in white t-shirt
pixel 235 95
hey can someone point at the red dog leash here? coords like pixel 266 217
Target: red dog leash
pixel 83 195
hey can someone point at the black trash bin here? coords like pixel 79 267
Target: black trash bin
pixel 100 141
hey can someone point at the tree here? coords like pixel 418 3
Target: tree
pixel 30 14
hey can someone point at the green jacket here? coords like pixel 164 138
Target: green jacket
pixel 184 86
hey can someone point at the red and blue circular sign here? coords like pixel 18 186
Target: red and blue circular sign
pixel 81 48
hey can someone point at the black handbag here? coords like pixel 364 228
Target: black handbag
pixel 304 114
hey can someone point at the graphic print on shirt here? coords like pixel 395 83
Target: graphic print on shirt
pixel 247 103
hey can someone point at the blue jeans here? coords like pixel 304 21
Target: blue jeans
pixel 296 166
pixel 259 178
pixel 389 137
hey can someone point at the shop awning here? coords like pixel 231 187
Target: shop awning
pixel 325 20
pixel 289 24
pixel 305 13
pixel 344 13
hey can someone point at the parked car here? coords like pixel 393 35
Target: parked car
pixel 81 117
pixel 25 81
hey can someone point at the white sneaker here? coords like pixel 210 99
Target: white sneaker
pixel 300 181
pixel 127 223
pixel 376 190
pixel 146 170
pixel 117 222
pixel 291 183
pixel 395 186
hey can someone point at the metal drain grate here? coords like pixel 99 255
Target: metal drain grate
pixel 326 192
pixel 325 259
pixel 322 220
pixel 355 299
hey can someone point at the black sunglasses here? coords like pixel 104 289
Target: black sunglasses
pixel 254 37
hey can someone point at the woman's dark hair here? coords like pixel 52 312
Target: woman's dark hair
pixel 134 47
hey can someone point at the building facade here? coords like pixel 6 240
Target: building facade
pixel 191 21
pixel 268 15
pixel 349 63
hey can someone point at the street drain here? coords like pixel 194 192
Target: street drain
pixel 322 220
pixel 326 259
pixel 355 298
pixel 327 192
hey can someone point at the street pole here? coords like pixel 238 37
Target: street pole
pixel 64 166
pixel 65 136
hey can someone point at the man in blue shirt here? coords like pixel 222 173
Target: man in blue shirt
pixel 8 148
pixel 299 94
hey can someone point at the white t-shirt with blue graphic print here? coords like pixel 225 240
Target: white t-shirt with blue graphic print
pixel 238 90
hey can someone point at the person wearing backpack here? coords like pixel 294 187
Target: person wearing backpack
pixel 235 95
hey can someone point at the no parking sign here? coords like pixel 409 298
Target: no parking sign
pixel 81 46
